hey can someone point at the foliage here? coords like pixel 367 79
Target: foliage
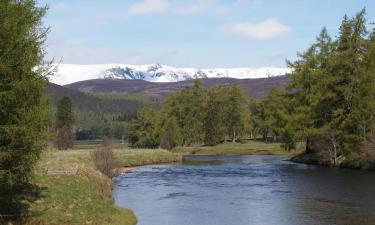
pixel 188 107
pixel 64 124
pixel 237 113
pixel 330 103
pixel 104 158
pixel 24 111
pixel 170 133
pixel 193 116
pixel 143 130
pixel 214 123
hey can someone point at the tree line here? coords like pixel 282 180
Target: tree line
pixel 330 103
pixel 193 116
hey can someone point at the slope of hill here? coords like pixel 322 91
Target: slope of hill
pixel 69 73
pixel 255 88
pixel 91 103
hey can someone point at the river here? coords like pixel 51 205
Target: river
pixel 247 190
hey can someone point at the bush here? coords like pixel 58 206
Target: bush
pixel 104 157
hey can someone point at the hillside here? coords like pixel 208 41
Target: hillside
pixel 88 102
pixel 255 88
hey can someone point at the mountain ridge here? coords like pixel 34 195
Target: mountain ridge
pixel 254 88
pixel 71 73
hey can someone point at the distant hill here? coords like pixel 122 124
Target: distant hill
pixel 91 103
pixel 255 88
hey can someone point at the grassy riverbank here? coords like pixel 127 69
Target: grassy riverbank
pixel 249 147
pixel 85 197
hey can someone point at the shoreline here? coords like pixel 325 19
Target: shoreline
pixel 355 163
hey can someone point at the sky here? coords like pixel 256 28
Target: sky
pixel 191 33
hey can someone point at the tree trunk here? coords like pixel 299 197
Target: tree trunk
pixel 234 135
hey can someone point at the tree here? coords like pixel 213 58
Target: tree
pixel 143 129
pixel 214 123
pixel 24 110
pixel 237 118
pixel 188 107
pixel 170 134
pixel 310 104
pixel 333 90
pixel 64 124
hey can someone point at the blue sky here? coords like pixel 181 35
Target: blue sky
pixel 191 33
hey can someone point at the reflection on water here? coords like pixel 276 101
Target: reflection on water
pixel 247 190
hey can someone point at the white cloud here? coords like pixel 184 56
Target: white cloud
pixel 198 6
pixel 201 6
pixel 149 6
pixel 267 29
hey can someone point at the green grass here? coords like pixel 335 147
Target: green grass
pixel 85 198
pixel 137 157
pixel 249 147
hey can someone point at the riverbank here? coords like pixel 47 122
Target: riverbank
pixel 249 147
pixel 84 196
pixel 355 161
pixel 72 191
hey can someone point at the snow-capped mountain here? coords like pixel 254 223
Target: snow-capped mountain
pixel 70 73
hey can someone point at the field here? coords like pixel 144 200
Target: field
pixel 84 197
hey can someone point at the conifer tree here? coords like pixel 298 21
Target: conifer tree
pixel 188 107
pixel 24 111
pixel 64 124
pixel 143 129
pixel 170 134
pixel 214 125
pixel 237 119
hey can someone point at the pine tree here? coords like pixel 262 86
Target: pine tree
pixel 24 111
pixel 237 119
pixel 188 107
pixel 64 124
pixel 170 133
pixel 310 103
pixel 143 129
pixel 214 125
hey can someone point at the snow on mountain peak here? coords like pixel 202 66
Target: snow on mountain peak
pixel 70 73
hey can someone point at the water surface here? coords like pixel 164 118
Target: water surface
pixel 247 190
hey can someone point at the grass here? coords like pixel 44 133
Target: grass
pixel 86 197
pixel 249 147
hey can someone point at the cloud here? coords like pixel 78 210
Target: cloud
pixel 267 29
pixel 149 6
pixel 198 6
pixel 201 6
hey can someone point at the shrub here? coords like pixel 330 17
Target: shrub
pixel 104 158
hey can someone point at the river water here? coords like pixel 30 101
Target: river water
pixel 246 190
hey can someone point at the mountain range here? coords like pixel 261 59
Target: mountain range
pixel 70 73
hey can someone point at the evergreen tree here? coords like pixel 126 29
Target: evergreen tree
pixel 311 109
pixel 170 134
pixel 64 124
pixel 188 107
pixel 237 118
pixel 143 129
pixel 24 111
pixel 332 90
pixel 214 125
